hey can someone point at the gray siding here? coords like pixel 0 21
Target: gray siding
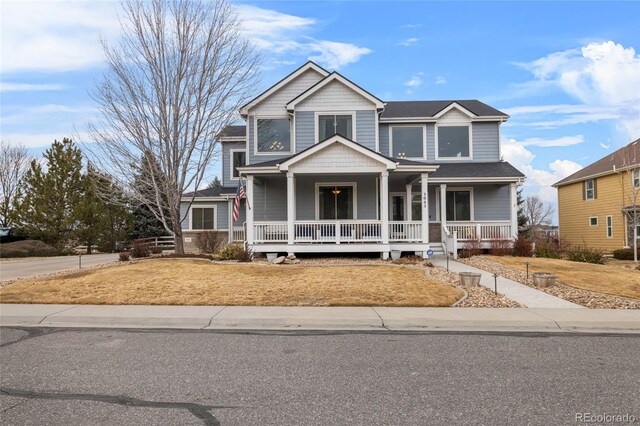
pixel 251 138
pixel 486 146
pixel 431 142
pixel 383 135
pixel 305 130
pixel 306 190
pixel 227 161
pixel 222 215
pixel 492 202
pixel 366 128
pixel 270 199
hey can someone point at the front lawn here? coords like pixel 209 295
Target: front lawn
pixel 607 279
pixel 189 282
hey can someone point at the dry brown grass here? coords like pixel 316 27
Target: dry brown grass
pixel 599 278
pixel 189 282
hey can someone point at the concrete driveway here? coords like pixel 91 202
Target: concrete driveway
pixel 19 268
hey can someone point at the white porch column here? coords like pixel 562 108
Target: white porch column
pixel 514 211
pixel 443 205
pixel 384 205
pixel 291 207
pixel 407 204
pixel 424 195
pixel 249 202
pixel 230 202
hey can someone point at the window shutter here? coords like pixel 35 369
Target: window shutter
pixel 595 189
pixel 584 189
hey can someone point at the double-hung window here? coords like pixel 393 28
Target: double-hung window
pixel 273 135
pixel 335 124
pixel 590 189
pixel 454 142
pixel 609 226
pixel 408 142
pixel 203 218
pixel 636 178
pixel 238 159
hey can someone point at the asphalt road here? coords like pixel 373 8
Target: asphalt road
pixel 78 377
pixel 19 268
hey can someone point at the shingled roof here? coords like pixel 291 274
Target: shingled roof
pixel 415 109
pixel 233 132
pixel 498 169
pixel 211 192
pixel 623 158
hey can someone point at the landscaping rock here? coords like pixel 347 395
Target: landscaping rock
pixel 279 260
pixel 291 257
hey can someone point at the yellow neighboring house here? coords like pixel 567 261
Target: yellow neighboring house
pixel 597 204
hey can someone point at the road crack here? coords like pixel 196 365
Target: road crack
pixel 201 411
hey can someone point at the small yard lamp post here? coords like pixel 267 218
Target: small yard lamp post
pixel 79 260
pixel 527 263
pixel 495 283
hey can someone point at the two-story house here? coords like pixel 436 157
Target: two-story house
pixel 597 204
pixel 329 167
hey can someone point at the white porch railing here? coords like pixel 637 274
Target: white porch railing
pixel 481 230
pixel 405 231
pixel 270 232
pixel 337 231
pixel 238 233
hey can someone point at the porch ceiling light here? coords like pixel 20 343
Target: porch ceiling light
pixel 336 191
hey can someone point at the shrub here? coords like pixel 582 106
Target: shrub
pixel 209 242
pixel 585 254
pixel 548 248
pixel 623 254
pixel 245 255
pixel 156 250
pixel 140 249
pixel 500 247
pixel 124 256
pixel 27 248
pixel 471 248
pixel 230 252
pixel 522 247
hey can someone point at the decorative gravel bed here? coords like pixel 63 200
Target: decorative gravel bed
pixel 581 297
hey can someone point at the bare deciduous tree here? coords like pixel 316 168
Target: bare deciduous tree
pixel 14 162
pixel 178 76
pixel 537 211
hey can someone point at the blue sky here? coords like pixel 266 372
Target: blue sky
pixel 568 73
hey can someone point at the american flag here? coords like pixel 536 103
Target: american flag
pixel 236 203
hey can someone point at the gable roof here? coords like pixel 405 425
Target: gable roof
pixel 310 65
pixel 211 192
pixel 334 76
pixel 626 157
pixel 430 109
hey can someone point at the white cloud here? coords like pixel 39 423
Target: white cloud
pixel 411 26
pixel 29 87
pixel 545 143
pixel 604 76
pixel 409 41
pixel 335 55
pixel 40 140
pixel 603 146
pixel 441 79
pixel 415 80
pixel 55 35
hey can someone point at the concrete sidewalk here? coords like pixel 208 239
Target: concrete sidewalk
pixel 321 318
pixel 523 294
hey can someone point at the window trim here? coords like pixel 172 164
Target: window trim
pixel 354 185
pixel 609 227
pixel 457 188
pixel 316 125
pixel 407 206
pixel 467 124
pixel 424 140
pixel 292 147
pixel 597 222
pixel 593 190
pixel 203 206
pixel 633 178
pixel 231 152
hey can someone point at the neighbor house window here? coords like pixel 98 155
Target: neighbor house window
pixel 407 142
pixel 636 178
pixel 590 189
pixel 335 124
pixel 202 218
pixel 609 227
pixel 593 221
pixel 336 201
pixel 454 142
pixel 458 205
pixel 274 135
pixel 238 159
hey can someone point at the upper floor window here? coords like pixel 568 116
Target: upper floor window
pixel 274 135
pixel 238 159
pixel 335 124
pixel 408 142
pixel 636 178
pixel 454 142
pixel 590 189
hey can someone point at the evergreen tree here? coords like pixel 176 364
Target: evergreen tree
pixel 145 222
pixel 522 217
pixel 216 183
pixel 52 193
